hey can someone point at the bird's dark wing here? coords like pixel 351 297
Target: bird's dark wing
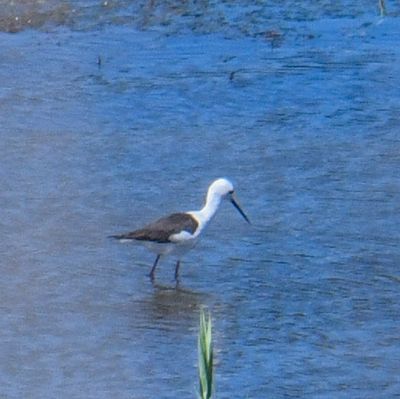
pixel 162 229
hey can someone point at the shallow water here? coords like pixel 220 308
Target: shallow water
pixel 108 123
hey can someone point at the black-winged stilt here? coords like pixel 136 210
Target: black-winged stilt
pixel 178 233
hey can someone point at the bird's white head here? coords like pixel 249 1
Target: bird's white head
pixel 223 188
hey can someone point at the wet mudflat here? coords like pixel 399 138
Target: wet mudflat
pixel 113 114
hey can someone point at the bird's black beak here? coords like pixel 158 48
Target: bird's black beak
pixel 240 210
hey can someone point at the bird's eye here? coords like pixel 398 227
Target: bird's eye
pixel 231 192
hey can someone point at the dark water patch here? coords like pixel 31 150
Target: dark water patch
pixel 267 22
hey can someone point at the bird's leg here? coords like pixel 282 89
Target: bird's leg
pixel 178 263
pixel 153 269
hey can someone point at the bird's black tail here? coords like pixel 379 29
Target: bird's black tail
pixel 116 236
pixel 121 237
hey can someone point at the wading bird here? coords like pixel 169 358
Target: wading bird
pixel 178 233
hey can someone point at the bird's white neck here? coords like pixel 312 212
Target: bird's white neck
pixel 212 203
pixel 208 211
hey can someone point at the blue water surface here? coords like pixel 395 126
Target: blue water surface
pixel 107 124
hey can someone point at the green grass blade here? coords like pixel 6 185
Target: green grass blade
pixel 206 356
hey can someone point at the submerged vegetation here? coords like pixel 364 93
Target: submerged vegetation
pixel 205 349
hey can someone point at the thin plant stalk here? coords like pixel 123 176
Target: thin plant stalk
pixel 382 7
pixel 205 350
